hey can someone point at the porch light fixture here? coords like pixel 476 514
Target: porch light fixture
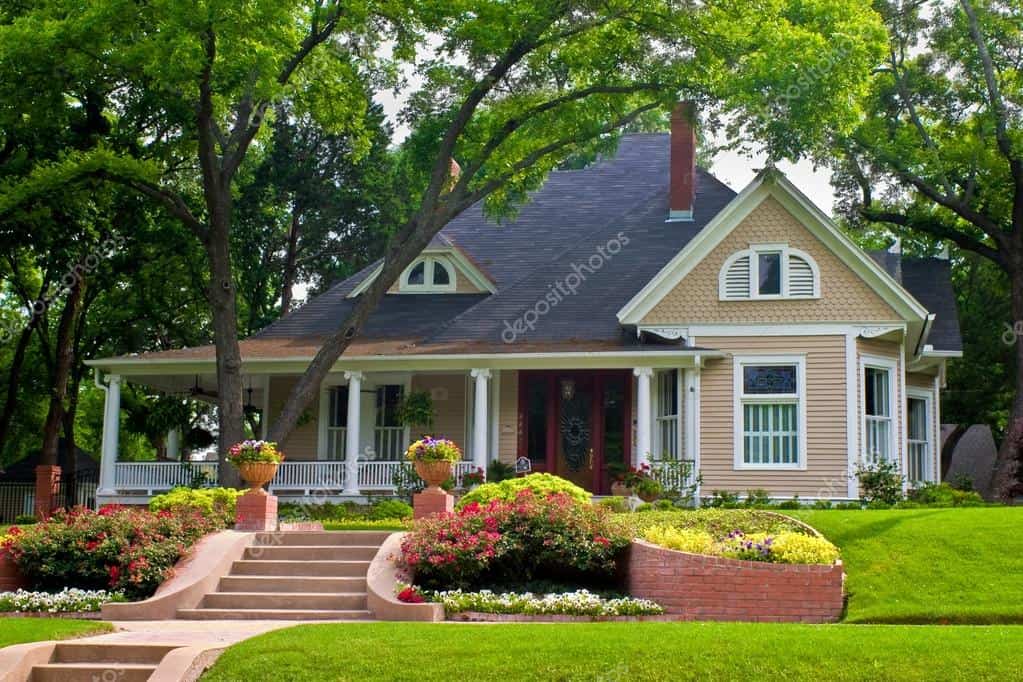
pixel 567 389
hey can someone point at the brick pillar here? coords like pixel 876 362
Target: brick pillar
pixel 432 501
pixel 256 512
pixel 47 490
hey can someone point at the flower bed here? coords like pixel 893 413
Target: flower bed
pixel 555 538
pixel 786 547
pixel 68 600
pixel 578 603
pixel 119 548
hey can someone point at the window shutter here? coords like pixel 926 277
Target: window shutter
pixel 737 279
pixel 801 284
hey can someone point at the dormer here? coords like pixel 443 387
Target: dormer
pixel 442 268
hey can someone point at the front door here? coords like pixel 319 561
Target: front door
pixel 575 439
pixel 576 424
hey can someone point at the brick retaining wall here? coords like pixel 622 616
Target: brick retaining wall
pixel 696 587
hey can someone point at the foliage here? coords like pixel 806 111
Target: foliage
pixel 24 519
pixel 126 550
pixel 792 503
pixel 389 509
pixel 681 539
pixel 944 495
pixel 578 603
pixel 385 511
pixel 555 537
pixel 407 482
pixel 416 409
pixel 430 449
pixel 781 548
pixel 498 471
pixel 217 503
pixel 508 490
pixel 254 451
pixel 476 477
pixel 68 600
pixel 617 504
pixel 758 497
pixel 722 499
pixel 880 482
pixel 368 524
pixel 717 522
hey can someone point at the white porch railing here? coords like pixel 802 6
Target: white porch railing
pixel 158 476
pixel 324 475
pixel 675 474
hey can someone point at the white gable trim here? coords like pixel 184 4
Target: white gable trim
pixel 771 183
pixel 452 256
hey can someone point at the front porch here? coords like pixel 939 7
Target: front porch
pixel 582 423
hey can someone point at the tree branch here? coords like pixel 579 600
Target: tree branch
pixel 936 229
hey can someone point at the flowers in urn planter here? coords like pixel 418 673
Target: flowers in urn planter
pixel 430 449
pixel 254 451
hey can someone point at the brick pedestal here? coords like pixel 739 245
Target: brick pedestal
pixel 10 577
pixel 47 490
pixel 256 511
pixel 432 501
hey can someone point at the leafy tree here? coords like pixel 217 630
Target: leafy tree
pixel 515 89
pixel 938 151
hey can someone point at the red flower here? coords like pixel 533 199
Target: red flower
pixel 600 540
pixel 410 596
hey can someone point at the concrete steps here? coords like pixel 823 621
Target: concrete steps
pixel 295 575
pixel 87 662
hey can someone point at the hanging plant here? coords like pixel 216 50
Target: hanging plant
pixel 416 409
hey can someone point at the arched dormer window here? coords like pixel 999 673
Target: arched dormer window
pixel 769 271
pixel 430 274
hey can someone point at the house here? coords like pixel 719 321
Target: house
pixel 636 310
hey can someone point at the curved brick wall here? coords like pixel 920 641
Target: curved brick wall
pixel 696 587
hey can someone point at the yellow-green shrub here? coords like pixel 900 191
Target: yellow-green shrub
pixel 681 539
pixel 210 501
pixel 797 548
pixel 541 485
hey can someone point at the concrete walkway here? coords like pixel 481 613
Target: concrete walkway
pixel 200 633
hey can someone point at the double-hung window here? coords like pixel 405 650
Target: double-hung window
pixel 878 420
pixel 770 409
pixel 668 415
pixel 337 424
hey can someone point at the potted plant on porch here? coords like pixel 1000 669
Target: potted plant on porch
pixel 257 461
pixel 641 481
pixel 433 459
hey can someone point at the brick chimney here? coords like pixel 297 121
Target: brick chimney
pixel 683 162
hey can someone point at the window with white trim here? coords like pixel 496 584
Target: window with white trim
pixel 878 427
pixel 430 274
pixel 668 447
pixel 918 426
pixel 769 271
pixel 337 422
pixel 769 412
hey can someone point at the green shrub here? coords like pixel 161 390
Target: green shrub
pixel 24 520
pixel 617 504
pixel 499 471
pixel 962 482
pixel 541 485
pixel 117 548
pixel 822 504
pixel 644 508
pixel 664 505
pixel 390 509
pixel 848 506
pixel 218 502
pixel 794 503
pixel 944 495
pixel 878 504
pixel 723 499
pixel 880 482
pixel 758 497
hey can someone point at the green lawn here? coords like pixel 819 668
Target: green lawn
pixel 617 651
pixel 929 565
pixel 21 630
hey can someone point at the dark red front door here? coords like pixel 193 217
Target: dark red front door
pixel 576 424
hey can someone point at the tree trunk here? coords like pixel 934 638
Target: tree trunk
pixel 14 380
pixel 1006 481
pixel 225 332
pixel 63 361
pixel 70 473
pixel 290 260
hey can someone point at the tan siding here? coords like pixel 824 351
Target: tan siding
pixel 508 419
pixel 920 380
pixel 302 443
pixel 448 394
pixel 825 452
pixel 844 296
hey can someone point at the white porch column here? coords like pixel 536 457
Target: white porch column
pixel 480 419
pixel 352 433
pixel 111 428
pixel 643 415
pixel 174 444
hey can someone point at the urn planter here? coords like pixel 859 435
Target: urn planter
pixel 258 474
pixel 434 473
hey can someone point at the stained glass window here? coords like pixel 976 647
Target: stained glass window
pixel 769 379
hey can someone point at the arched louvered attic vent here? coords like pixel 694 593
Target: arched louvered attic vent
pixel 740 278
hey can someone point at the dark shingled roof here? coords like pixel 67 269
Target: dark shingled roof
pixel 578 251
pixel 929 281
